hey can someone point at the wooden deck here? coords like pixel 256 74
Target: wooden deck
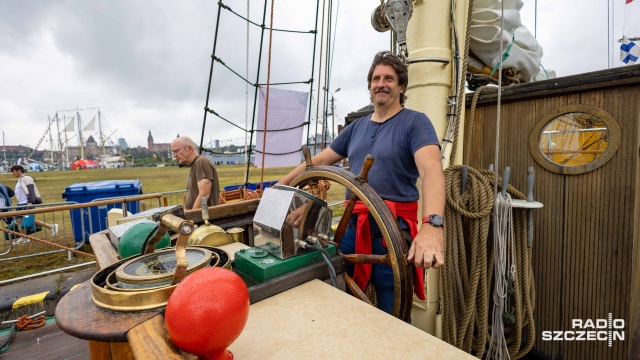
pixel 47 342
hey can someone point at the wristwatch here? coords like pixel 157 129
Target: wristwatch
pixel 434 220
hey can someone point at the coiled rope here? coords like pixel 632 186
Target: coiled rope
pixel 27 323
pixel 467 277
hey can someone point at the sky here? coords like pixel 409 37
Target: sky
pixel 145 64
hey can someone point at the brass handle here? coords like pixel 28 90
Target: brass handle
pixel 172 222
pixel 184 231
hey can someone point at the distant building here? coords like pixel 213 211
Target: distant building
pixel 19 148
pixel 122 144
pixel 151 146
pixel 91 150
pixel 216 143
pixel 91 145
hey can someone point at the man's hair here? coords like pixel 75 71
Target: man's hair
pixel 387 58
pixel 185 141
pixel 17 167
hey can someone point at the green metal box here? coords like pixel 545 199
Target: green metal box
pixel 260 266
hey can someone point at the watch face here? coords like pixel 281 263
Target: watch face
pixel 436 220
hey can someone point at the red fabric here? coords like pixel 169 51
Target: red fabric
pixel 407 211
pixel 628 1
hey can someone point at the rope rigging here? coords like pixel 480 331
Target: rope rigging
pixel 262 26
pixel 256 84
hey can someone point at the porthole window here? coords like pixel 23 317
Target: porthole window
pixel 575 139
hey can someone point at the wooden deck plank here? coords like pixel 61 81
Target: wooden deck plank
pixel 47 342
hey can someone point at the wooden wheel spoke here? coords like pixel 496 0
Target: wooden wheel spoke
pixel 355 289
pixel 368 259
pixel 344 221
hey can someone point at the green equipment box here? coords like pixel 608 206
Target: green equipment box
pixel 260 266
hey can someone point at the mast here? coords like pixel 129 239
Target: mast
pixel 51 140
pixel 4 149
pixel 100 130
pixel 59 140
pixel 429 41
pixel 247 155
pixel 66 143
pixel 80 134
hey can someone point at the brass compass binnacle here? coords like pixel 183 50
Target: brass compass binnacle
pixel 146 281
pixel 157 269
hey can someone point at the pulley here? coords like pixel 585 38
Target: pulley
pixel 379 20
pixel 398 13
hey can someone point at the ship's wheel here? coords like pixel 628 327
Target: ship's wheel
pixel 361 190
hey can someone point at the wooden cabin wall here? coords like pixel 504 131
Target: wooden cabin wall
pixel 585 249
pixel 634 323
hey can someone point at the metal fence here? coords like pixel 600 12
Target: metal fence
pixel 66 226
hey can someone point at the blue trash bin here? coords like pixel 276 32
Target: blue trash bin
pixel 94 219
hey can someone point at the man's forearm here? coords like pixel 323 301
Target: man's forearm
pixel 197 203
pixel 433 193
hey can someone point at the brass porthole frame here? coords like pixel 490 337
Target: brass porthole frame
pixel 612 146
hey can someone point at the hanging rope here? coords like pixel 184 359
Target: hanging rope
pixel 460 98
pixel 469 128
pixel 266 101
pixel 502 233
pixel 466 274
pixel 467 277
pixel 315 142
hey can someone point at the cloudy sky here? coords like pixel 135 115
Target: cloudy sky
pixel 145 64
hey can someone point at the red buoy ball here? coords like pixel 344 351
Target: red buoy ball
pixel 207 312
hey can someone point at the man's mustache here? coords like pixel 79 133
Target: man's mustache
pixel 384 90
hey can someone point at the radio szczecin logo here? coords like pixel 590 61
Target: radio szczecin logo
pixel 609 329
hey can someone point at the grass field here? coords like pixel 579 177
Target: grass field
pixel 52 184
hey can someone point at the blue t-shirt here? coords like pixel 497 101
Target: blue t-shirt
pixel 393 143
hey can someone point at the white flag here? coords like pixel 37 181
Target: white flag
pixel 70 127
pixel 286 117
pixel 91 126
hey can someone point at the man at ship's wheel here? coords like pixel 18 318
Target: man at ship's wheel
pixel 405 146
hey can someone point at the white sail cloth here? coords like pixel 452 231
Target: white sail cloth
pixel 523 49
